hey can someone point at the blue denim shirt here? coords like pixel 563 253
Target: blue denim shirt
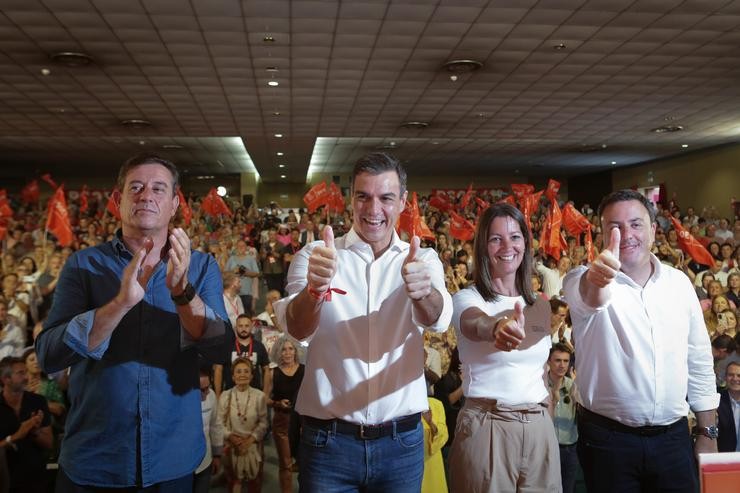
pixel 138 389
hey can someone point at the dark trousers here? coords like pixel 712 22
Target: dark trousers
pixel 568 467
pixel 180 485
pixel 617 459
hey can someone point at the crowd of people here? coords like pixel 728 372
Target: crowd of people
pixel 326 335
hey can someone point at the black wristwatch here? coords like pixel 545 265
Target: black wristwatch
pixel 711 432
pixel 185 297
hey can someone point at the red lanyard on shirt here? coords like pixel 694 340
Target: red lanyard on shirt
pixel 238 347
pixel 234 305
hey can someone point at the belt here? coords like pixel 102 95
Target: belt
pixel 366 432
pixel 647 431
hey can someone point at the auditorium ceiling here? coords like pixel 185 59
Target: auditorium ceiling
pixel 288 88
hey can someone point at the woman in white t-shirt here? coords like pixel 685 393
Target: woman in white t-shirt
pixel 503 332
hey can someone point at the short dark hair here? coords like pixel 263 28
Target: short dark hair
pixel 147 158
pixel 624 196
pixel 731 363
pixel 563 348
pixel 481 263
pixel 556 304
pixel 376 163
pixel 7 364
pixel 724 341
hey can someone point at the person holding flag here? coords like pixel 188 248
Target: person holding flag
pixel 504 340
pixel 642 349
pixel 360 304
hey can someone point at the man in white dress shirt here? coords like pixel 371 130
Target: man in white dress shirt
pixel 642 349
pixel 361 304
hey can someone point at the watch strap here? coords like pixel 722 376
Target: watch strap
pixel 186 296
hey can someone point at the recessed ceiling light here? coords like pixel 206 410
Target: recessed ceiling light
pixel 281 166
pixel 275 113
pixel 142 142
pixel 136 123
pixel 45 71
pixel 221 191
pixel 614 162
pixel 665 129
pixel 415 125
pixel 172 147
pixel 280 153
pixel 268 39
pixel 273 83
pixel 283 176
pixel 279 136
pixel 684 145
pixel 271 69
pixel 463 65
pixel 559 46
pixel 71 58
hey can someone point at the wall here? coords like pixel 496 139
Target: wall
pixel 698 179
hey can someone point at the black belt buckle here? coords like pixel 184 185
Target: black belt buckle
pixel 369 432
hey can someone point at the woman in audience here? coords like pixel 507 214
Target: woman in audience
pixel 733 288
pixel 40 383
pixel 727 322
pixel 719 304
pixel 243 412
pixel 504 341
pixel 281 388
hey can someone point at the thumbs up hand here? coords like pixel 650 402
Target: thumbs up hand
pixel 415 273
pixel 509 332
pixel 322 264
pixel 604 268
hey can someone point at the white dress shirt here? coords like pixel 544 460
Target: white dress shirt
pixel 552 281
pixel 511 377
pixel 365 361
pixel 642 353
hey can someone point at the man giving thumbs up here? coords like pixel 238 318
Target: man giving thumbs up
pixel 360 303
pixel 642 348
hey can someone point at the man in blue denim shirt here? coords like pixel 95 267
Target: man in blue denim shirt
pixel 130 317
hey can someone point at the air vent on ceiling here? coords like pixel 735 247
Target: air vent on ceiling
pixel 666 129
pixel 172 147
pixel 462 66
pixel 72 58
pixel 136 123
pixel 415 125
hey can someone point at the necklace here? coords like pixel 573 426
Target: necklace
pixel 242 414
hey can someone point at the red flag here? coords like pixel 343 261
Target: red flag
pixel 509 199
pixel 3 232
pixel 466 198
pixel 554 242
pixel 691 245
pixel 482 204
pixel 83 199
pixel 112 205
pixel 47 178
pixel 461 228
pixel 521 189
pixel 336 199
pixel 529 204
pixel 187 212
pixel 30 193
pixel 316 197
pixel 440 201
pixel 57 221
pixel 214 205
pixel 574 222
pixel 411 221
pixel 553 187
pixel 5 210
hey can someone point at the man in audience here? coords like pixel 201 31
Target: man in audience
pixel 361 304
pixel 723 346
pixel 25 428
pixel 12 337
pixel 729 411
pixel 564 397
pixel 245 266
pixel 642 349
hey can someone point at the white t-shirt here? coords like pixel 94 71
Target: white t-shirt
pixel 513 377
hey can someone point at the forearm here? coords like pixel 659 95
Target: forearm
pixel 106 320
pixel 43 437
pixel 303 314
pixel 706 418
pixel 477 326
pixel 193 317
pixel 429 308
pixel 593 295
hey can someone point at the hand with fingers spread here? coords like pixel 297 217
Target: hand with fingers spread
pixel 322 264
pixel 605 267
pixel 509 332
pixel 416 274
pixel 179 262
pixel 135 278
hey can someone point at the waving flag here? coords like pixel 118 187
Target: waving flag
pixel 57 221
pixel 691 245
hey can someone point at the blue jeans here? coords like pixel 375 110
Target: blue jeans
pixel 619 462
pixel 334 462
pixel 568 467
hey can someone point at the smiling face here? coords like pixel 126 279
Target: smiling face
pixel 637 235
pixel 148 201
pixel 505 247
pixel 377 202
pixel 242 374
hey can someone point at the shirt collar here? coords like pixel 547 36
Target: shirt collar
pixel 353 241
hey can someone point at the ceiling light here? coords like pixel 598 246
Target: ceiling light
pixel 281 166
pixel 283 176
pixel 71 58
pixel 665 129
pixel 45 71
pixel 684 145
pixel 278 136
pixel 142 142
pixel 415 125
pixel 136 123
pixel 462 66
pixel 271 69
pixel 221 191
pixel 559 46
pixel 280 153
pixel 275 113
pixel 268 39
pixel 273 83
pixel 172 147
pixel 614 162
pixel 453 78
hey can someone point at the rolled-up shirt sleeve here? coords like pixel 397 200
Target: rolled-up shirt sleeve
pixel 438 282
pixel 702 395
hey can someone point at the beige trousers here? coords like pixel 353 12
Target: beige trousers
pixel 500 449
